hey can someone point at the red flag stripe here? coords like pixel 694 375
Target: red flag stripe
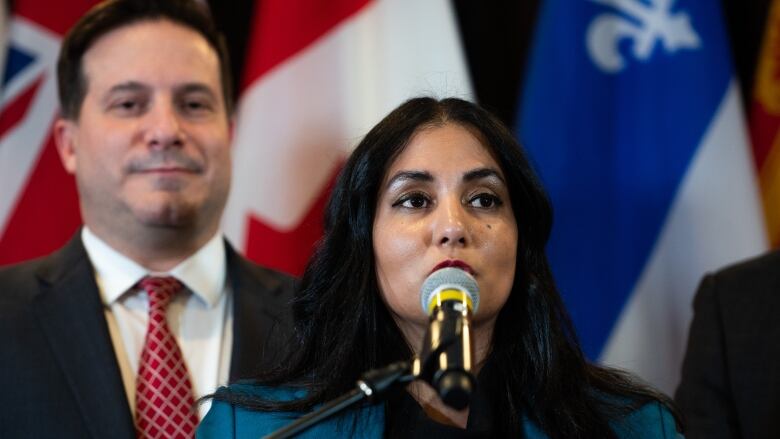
pixel 15 111
pixel 763 130
pixel 57 16
pixel 46 214
pixel 283 28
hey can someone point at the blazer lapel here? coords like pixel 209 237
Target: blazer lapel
pixel 261 319
pixel 71 314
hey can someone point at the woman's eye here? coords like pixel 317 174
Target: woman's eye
pixel 485 201
pixel 413 201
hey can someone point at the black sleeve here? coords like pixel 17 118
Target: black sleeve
pixel 704 395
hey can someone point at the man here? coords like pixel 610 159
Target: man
pixel 147 308
pixel 730 384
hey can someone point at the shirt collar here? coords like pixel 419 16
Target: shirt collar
pixel 203 273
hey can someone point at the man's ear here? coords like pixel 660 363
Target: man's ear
pixel 65 137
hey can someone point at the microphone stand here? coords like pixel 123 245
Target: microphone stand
pixel 372 386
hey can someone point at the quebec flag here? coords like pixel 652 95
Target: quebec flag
pixel 632 115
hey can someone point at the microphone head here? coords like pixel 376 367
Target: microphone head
pixel 449 283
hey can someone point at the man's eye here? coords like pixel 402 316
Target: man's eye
pixel 128 106
pixel 485 201
pixel 196 106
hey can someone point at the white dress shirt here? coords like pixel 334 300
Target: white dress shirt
pixel 200 317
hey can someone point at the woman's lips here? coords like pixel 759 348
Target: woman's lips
pixel 454 263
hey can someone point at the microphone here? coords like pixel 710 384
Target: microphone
pixel 450 297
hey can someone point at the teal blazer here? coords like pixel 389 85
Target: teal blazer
pixel 228 421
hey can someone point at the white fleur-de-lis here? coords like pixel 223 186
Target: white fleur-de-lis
pixel 644 24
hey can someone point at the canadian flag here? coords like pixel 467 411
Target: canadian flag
pixel 319 75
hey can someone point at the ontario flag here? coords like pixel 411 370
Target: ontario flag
pixel 765 122
pixel 38 203
pixel 632 113
pixel 319 75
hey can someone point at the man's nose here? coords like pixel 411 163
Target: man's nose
pixel 164 128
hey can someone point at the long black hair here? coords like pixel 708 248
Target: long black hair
pixel 343 328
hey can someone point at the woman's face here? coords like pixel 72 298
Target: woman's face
pixel 444 199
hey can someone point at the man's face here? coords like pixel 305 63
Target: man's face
pixel 150 147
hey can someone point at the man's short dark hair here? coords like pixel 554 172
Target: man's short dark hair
pixel 113 14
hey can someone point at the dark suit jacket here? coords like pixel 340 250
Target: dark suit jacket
pixel 730 384
pixel 58 372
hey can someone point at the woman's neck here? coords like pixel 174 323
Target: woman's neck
pixel 435 408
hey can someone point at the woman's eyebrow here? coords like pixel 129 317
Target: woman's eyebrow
pixel 404 176
pixel 480 173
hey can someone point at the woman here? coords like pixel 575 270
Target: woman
pixel 439 183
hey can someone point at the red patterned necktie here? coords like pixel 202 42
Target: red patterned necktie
pixel 164 403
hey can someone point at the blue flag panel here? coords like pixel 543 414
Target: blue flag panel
pixel 617 98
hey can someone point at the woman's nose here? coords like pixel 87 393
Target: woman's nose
pixel 451 227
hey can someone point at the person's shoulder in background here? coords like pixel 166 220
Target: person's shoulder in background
pixel 725 391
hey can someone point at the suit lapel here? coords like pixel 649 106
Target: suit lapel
pixel 260 317
pixel 71 314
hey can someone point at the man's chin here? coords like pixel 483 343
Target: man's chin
pixel 168 217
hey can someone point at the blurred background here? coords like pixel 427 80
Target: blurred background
pixel 496 37
pixel 652 124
